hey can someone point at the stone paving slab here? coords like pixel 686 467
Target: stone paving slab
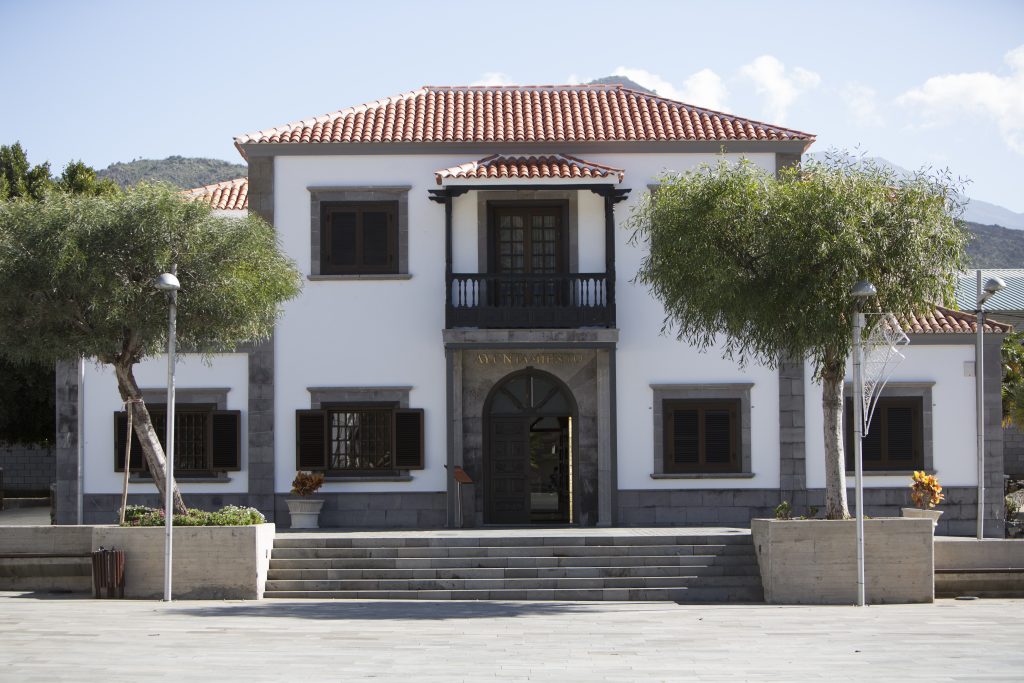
pixel 47 638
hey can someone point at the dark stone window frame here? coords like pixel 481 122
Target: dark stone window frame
pixel 717 393
pixel 321 196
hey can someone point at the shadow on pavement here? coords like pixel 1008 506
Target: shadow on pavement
pixel 381 610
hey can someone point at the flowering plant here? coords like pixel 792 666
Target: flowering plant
pixel 925 490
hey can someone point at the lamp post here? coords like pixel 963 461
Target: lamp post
pixel 992 286
pixel 860 292
pixel 168 282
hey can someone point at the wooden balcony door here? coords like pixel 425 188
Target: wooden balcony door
pixel 529 240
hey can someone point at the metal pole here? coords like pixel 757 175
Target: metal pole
pixel 979 388
pixel 858 434
pixel 80 494
pixel 169 483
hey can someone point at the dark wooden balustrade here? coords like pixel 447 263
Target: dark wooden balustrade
pixel 489 300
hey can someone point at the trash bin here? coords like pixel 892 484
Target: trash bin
pixel 108 573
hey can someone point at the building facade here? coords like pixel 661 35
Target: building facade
pixel 470 347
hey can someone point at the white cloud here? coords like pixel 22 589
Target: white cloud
pixel 704 88
pixel 494 78
pixel 863 103
pixel 779 86
pixel 941 99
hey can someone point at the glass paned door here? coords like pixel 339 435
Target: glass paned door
pixel 529 241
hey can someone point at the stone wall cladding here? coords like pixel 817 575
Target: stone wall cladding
pixel 28 469
pixel 736 507
pixel 374 510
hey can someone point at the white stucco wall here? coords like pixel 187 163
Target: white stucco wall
pixel 102 400
pixel 953 417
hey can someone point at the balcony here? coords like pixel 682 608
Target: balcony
pixel 521 300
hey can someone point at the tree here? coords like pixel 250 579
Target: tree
pixel 764 264
pixel 27 392
pixel 76 276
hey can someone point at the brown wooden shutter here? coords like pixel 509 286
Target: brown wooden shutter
pixel 120 427
pixel 685 440
pixel 408 450
pixel 311 439
pixel 225 441
pixel 717 436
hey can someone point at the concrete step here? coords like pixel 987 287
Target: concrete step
pixel 306 574
pixel 513 584
pixel 326 540
pixel 693 594
pixel 46 573
pixel 981 583
pixel 512 551
pixel 517 562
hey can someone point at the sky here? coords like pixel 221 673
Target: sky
pixel 921 83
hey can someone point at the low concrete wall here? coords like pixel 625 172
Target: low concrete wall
pixel 970 553
pixel 210 562
pixel 53 540
pixel 814 562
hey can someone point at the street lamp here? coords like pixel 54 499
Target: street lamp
pixel 861 292
pixel 168 282
pixel 992 286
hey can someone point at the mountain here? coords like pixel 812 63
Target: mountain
pixel 620 80
pixel 184 172
pixel 994 246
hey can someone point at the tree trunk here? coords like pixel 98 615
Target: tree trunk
pixel 835 460
pixel 151 447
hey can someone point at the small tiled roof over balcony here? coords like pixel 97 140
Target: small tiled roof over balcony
pixel 556 166
pixel 523 114
pixel 944 320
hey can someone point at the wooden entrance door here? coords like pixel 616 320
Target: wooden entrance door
pixel 529 248
pixel 508 491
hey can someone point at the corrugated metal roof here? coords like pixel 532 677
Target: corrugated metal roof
pixel 1010 299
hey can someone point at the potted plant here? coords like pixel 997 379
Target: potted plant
pixel 305 511
pixel 926 494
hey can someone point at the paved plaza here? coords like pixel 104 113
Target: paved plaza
pixel 49 638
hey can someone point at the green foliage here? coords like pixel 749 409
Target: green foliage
pixel 231 515
pixel 76 276
pixel 784 510
pixel 18 178
pixel 1013 379
pixel 77 178
pixel 183 172
pixel 764 265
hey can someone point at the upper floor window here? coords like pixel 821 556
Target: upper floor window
pixel 358 238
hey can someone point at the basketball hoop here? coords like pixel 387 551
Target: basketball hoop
pixel 880 358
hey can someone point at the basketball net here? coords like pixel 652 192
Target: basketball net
pixel 880 356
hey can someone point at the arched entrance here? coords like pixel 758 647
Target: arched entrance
pixel 531 471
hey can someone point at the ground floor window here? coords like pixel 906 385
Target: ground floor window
pixel 895 438
pixel 206 440
pixel 701 435
pixel 353 438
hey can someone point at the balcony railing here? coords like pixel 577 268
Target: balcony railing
pixel 505 300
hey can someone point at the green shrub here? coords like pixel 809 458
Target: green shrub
pixel 230 515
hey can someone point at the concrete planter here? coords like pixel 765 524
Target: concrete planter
pixel 814 562
pixel 209 562
pixel 918 513
pixel 305 512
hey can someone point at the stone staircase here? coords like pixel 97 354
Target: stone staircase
pixel 490 566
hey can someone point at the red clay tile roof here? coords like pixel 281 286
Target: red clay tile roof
pixel 230 195
pixel 945 320
pixel 517 113
pixel 547 166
